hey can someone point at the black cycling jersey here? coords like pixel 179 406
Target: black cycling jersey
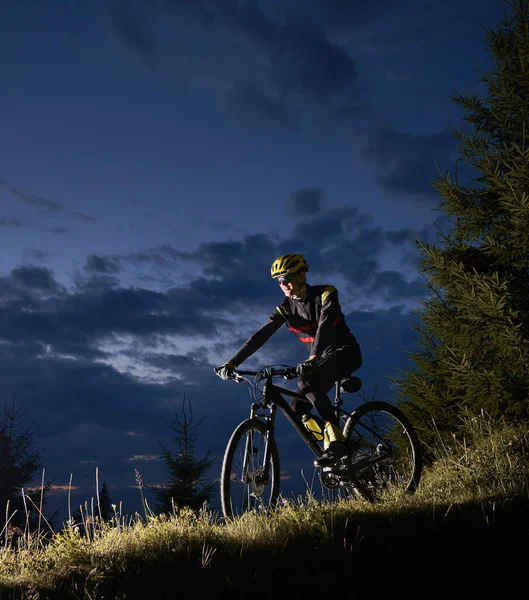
pixel 317 321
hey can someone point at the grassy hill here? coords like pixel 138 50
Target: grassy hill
pixel 465 532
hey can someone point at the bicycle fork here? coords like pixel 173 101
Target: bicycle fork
pixel 249 449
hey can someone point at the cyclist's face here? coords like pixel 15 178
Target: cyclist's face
pixel 293 288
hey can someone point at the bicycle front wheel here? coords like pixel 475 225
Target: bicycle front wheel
pixel 386 455
pixel 247 483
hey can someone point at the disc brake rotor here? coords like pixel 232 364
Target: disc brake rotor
pixel 257 482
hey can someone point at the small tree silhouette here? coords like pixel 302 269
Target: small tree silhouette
pixel 19 463
pixel 186 473
pixel 105 504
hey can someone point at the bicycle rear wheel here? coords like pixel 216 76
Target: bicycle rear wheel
pixel 245 483
pixel 386 457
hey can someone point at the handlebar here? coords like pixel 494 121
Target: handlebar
pixel 286 372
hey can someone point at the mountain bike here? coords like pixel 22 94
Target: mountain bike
pixel 384 452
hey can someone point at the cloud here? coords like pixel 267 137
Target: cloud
pixel 188 367
pixel 221 265
pixel 338 241
pixel 266 65
pixel 305 201
pixel 65 370
pixel 257 106
pixel 410 160
pixel 393 286
pixel 78 323
pixel 331 231
pixel 101 264
pixel 344 15
pixel 127 26
pixel 10 222
pixel 34 254
pixel 161 256
pixel 37 280
pixel 83 217
pixel 343 242
pixel 45 208
pixel 307 62
pixel 140 457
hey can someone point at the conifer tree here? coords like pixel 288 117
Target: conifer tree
pixel 185 472
pixel 105 503
pixel 19 463
pixel 473 328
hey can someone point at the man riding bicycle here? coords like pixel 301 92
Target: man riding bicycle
pixel 314 314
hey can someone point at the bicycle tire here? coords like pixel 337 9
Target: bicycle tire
pixel 238 496
pixel 375 430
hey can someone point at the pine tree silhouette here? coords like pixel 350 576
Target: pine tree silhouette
pixel 185 472
pixel 105 503
pixel 19 463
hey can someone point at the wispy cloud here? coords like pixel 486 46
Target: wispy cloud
pixel 268 63
pixel 127 26
pixel 32 255
pixel 54 488
pixel 83 217
pixel 101 264
pixel 10 222
pixel 409 161
pixel 43 206
pixel 143 457
pixel 306 201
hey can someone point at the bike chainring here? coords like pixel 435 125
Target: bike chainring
pixel 336 475
pixel 330 480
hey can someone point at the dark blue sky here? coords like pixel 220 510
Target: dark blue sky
pixel 157 155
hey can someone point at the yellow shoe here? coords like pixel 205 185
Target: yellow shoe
pixel 331 433
pixel 334 445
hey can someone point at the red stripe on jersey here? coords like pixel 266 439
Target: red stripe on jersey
pixel 304 327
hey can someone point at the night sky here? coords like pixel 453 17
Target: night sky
pixel 156 156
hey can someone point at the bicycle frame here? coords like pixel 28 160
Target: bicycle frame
pixel 273 399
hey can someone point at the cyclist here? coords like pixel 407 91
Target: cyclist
pixel 314 314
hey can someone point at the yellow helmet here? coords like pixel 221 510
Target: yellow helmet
pixel 288 265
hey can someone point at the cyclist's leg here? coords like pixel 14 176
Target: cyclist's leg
pixel 321 402
pixel 331 368
pixel 300 406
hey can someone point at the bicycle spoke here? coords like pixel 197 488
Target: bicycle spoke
pixel 385 457
pixel 249 485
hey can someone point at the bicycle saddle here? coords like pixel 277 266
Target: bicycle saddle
pixel 349 385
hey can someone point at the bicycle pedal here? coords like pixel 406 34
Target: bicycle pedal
pixel 332 469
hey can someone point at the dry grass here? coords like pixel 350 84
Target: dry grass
pixel 102 559
pixel 490 461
